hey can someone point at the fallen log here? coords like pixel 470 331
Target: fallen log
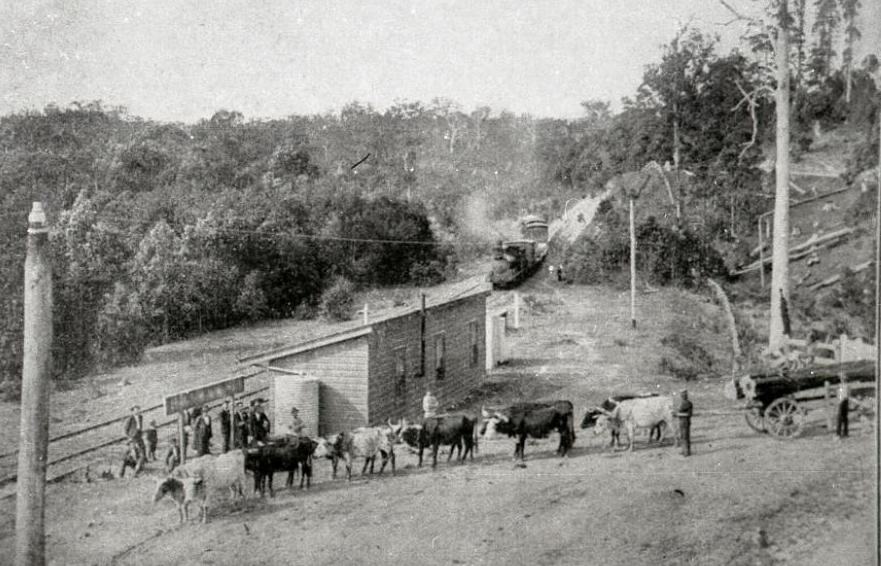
pixel 835 278
pixel 764 386
pixel 801 250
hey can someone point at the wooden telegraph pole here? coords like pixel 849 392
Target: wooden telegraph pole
pixel 632 265
pixel 878 343
pixel 633 192
pixel 34 430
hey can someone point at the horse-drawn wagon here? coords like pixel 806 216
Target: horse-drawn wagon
pixel 778 401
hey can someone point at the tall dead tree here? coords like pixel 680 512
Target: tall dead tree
pixel 780 241
pixel 780 238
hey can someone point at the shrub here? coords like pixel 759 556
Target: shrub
pixel 338 300
pixel 251 302
pixel 689 359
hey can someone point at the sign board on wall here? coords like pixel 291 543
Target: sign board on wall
pixel 198 396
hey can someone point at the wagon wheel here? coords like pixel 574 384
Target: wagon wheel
pixel 755 419
pixel 784 418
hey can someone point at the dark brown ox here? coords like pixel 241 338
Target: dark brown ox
pixel 453 430
pixel 536 420
pixel 280 455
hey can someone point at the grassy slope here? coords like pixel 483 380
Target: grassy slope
pixel 595 507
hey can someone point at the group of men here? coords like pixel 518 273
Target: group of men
pixel 239 427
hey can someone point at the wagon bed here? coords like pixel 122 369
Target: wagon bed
pixel 778 400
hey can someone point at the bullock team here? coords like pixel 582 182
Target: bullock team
pixel 294 453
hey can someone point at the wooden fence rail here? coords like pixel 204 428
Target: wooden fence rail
pixel 12 477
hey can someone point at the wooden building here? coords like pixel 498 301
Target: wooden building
pixel 368 372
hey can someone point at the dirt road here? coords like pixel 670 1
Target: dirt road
pixel 811 496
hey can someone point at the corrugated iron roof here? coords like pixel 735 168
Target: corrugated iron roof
pixel 434 297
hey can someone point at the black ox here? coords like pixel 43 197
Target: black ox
pixel 536 420
pixel 280 455
pixel 606 407
pixel 453 430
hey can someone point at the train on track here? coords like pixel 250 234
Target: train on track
pixel 515 260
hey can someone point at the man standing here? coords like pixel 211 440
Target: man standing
pixel 203 433
pixel 226 419
pixel 134 426
pixel 297 425
pixel 429 404
pixel 684 414
pixel 259 422
pixel 240 422
pixel 843 407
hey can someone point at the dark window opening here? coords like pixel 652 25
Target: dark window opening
pixel 474 343
pixel 400 371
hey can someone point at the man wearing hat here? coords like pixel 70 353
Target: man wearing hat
pixel 240 425
pixel 684 412
pixel 202 433
pixel 259 422
pixel 134 425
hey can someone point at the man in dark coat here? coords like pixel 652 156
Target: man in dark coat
pixel 240 426
pixel 226 418
pixel 683 412
pixel 259 423
pixel 202 433
pixel 134 426
pixel 843 407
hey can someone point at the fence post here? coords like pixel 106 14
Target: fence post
pixel 516 310
pixel 181 438
pixel 829 407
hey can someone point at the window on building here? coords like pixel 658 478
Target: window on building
pixel 400 370
pixel 439 356
pixel 473 344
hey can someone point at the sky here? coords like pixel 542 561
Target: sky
pixel 182 60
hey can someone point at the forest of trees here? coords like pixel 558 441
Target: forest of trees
pixel 164 230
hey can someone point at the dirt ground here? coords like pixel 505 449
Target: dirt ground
pixel 811 496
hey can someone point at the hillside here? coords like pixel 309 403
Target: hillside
pixel 831 237
pixel 616 508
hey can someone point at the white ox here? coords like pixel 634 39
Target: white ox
pixel 639 413
pixel 364 442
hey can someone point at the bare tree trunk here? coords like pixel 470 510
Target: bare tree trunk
pixel 677 154
pixel 722 298
pixel 780 243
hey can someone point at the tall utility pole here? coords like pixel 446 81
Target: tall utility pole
pixel 34 429
pixel 780 241
pixel 633 191
pixel 878 341
pixel 632 266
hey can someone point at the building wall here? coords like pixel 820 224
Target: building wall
pixel 401 336
pixel 342 370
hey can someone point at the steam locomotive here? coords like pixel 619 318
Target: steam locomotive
pixel 515 260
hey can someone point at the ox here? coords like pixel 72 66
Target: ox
pixel 364 442
pixel 593 413
pixel 536 420
pixel 451 430
pixel 639 413
pixel 280 455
